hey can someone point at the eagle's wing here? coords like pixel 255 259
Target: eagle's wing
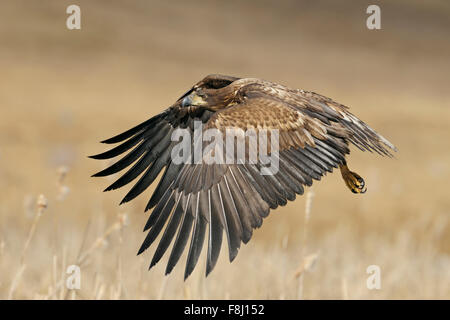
pixel 150 144
pixel 328 111
pixel 313 138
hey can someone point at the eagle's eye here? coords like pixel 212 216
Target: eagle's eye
pixel 199 92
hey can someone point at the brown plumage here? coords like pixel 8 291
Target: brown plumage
pixel 314 137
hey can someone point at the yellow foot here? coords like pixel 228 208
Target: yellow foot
pixel 353 180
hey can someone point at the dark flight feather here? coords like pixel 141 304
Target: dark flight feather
pixel 171 229
pixel 181 239
pixel 197 239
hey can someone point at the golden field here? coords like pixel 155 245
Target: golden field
pixel 62 91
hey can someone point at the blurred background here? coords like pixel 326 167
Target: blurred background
pixel 62 91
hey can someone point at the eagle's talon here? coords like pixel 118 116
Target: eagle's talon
pixel 353 180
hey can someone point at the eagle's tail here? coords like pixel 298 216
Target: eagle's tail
pixel 353 180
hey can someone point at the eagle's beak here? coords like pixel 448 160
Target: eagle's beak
pixel 192 100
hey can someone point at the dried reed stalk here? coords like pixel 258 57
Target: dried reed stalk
pixel 42 204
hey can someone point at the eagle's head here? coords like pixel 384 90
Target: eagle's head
pixel 213 93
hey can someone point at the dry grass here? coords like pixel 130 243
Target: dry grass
pixel 62 91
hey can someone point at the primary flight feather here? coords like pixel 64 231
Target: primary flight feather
pixel 198 199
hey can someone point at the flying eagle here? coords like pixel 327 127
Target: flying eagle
pixel 314 135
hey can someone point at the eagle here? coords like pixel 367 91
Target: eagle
pixel 198 199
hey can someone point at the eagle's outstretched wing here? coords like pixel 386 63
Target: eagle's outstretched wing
pixel 314 133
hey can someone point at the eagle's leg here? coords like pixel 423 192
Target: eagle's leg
pixel 353 180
